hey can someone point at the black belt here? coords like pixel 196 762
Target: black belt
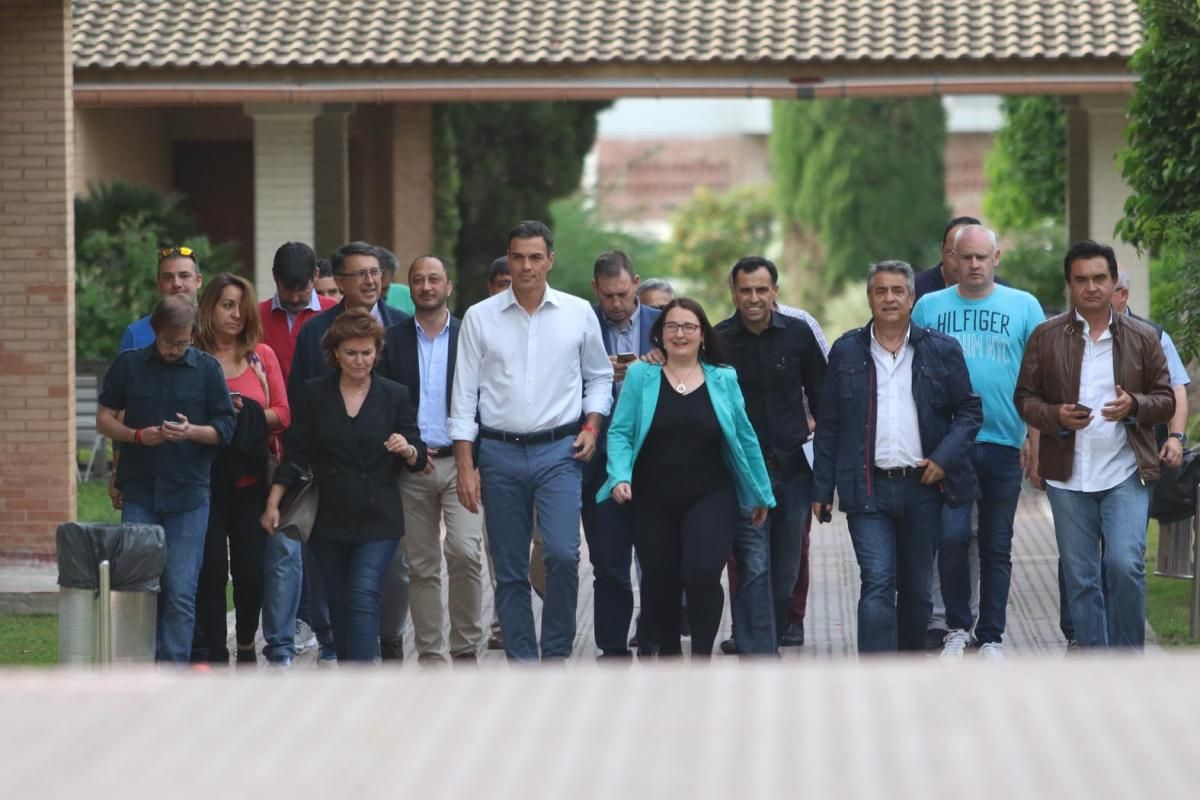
pixel 537 437
pixel 442 452
pixel 900 472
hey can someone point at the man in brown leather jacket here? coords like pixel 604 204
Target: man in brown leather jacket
pixel 1094 384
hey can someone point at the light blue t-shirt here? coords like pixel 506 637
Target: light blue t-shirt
pixel 992 331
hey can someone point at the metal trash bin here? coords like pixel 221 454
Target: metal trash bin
pixel 1175 549
pixel 118 625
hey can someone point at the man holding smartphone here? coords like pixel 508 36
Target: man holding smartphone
pixel 625 324
pixel 1095 383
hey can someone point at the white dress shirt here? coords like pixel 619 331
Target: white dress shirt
pixel 897 431
pixel 523 372
pixel 1103 457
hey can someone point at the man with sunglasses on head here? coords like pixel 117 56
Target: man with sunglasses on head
pixel 178 273
pixel 356 268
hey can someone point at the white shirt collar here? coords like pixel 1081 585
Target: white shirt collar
pixel 314 302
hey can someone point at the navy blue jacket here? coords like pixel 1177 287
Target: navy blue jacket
pixel 949 415
pixel 309 360
pixel 401 364
pixel 647 317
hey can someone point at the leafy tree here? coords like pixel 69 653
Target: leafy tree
pixel 1031 259
pixel 579 236
pixel 119 230
pixel 857 181
pixel 1162 161
pixel 513 159
pixel 1027 166
pixel 710 233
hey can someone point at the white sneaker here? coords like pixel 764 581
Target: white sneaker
pixel 992 651
pixel 305 638
pixel 954 645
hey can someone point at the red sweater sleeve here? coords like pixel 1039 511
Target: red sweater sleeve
pixel 276 384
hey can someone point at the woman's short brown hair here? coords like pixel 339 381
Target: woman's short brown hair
pixel 355 323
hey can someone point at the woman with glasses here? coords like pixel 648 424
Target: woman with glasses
pixel 354 430
pixel 682 451
pixel 229 329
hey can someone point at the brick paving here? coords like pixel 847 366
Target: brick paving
pixel 831 628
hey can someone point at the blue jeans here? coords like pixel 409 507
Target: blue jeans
pixel 608 527
pixel 517 479
pixel 353 575
pixel 1102 545
pixel 185 534
pixel 895 547
pixel 283 581
pixel 998 468
pixel 768 563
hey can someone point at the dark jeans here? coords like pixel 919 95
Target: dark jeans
pixel 234 539
pixel 800 594
pixel 353 575
pixel 683 547
pixel 608 528
pixel 895 547
pixel 314 605
pixel 998 468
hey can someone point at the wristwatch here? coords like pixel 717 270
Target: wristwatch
pixel 1182 437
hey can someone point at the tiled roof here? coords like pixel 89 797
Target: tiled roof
pixel 257 33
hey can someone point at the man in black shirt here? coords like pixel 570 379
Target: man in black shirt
pixel 779 366
pixel 945 273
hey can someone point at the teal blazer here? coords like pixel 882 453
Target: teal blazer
pixel 635 411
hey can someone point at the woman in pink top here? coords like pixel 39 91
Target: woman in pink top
pixel 229 329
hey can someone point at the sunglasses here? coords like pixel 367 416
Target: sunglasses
pixel 184 252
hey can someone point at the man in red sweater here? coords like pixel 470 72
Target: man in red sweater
pixel 294 302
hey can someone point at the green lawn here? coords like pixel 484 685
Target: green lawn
pixel 1166 599
pixel 27 641
pixel 94 505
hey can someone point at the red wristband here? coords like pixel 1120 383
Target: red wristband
pixel 137 435
pixel 590 428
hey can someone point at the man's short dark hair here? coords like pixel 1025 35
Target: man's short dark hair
pixel 957 222
pixel 353 249
pixel 324 268
pixel 532 229
pixel 429 257
pixel 387 260
pixel 173 311
pixel 497 268
pixel 612 264
pixel 754 264
pixel 1089 249
pixel 294 265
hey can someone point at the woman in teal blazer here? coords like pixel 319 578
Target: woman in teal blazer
pixel 681 449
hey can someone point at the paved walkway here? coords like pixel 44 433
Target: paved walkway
pixel 831 627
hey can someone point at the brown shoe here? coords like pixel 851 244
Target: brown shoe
pixel 496 642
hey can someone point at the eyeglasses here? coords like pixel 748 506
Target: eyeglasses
pixel 363 274
pixel 675 327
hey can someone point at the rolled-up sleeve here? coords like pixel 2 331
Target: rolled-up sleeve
pixel 596 369
pixel 464 395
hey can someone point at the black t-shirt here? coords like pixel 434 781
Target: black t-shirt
pixel 680 461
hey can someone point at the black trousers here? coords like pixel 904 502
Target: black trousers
pixel 682 546
pixel 234 540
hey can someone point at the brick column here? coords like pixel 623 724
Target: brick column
pixel 412 182
pixel 284 190
pixel 331 175
pixel 37 308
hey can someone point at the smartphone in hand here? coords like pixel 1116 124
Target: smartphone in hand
pixel 625 358
pixel 1083 408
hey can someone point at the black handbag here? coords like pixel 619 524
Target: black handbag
pixel 298 508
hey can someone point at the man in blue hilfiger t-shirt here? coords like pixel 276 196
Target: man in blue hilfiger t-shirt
pixel 992 323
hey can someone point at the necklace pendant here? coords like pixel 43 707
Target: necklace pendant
pixel 681 388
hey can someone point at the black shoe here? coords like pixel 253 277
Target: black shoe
pixel 793 636
pixel 391 650
pixel 496 641
pixel 934 637
pixel 609 654
pixel 634 642
pixel 246 655
pixel 729 647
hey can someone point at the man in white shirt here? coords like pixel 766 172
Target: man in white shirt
pixel 894 434
pixel 1095 384
pixel 531 363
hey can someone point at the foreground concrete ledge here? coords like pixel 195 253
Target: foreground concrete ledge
pixel 1102 726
